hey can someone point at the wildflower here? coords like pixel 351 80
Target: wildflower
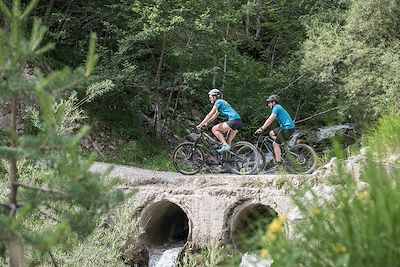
pixel 363 197
pixel 340 249
pixel 332 217
pixel 264 253
pixel 315 212
pixel 277 225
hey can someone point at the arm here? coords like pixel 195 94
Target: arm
pixel 267 123
pixel 211 116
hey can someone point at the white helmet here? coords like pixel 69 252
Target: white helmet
pixel 215 92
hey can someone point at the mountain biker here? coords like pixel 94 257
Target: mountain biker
pixel 282 133
pixel 233 125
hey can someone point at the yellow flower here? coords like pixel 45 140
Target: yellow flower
pixel 315 211
pixel 363 197
pixel 340 249
pixel 332 217
pixel 277 225
pixel 264 253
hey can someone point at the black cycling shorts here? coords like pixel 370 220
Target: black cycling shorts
pixel 282 135
pixel 235 125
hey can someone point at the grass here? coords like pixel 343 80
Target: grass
pixel 360 226
pixel 143 154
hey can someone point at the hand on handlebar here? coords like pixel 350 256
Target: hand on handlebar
pixel 201 127
pixel 258 131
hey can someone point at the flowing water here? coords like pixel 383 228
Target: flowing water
pixel 252 260
pixel 165 256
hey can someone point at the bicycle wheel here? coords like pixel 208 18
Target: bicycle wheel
pixel 188 158
pixel 261 162
pixel 244 158
pixel 300 158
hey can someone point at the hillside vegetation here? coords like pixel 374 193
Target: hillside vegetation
pixel 158 59
pixel 141 83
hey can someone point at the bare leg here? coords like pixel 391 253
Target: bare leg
pixel 276 146
pixel 219 130
pixel 231 135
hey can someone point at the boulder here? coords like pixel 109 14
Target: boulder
pixel 135 253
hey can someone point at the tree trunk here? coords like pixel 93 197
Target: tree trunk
pixel 258 18
pixel 48 10
pixel 14 245
pixel 247 22
pixel 15 251
pixel 157 112
pixel 13 161
pixel 225 61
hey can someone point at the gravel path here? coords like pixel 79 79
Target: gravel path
pixel 140 177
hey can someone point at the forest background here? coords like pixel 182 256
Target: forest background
pixel 158 59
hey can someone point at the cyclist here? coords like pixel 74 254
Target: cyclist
pixel 282 133
pixel 233 125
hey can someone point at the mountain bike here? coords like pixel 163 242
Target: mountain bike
pixel 297 158
pixel 190 157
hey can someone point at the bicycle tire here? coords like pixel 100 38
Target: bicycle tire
pixel 188 158
pixel 300 159
pixel 244 158
pixel 262 163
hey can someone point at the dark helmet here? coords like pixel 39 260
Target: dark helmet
pixel 215 92
pixel 273 98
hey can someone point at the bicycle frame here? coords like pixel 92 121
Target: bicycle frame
pixel 206 143
pixel 264 141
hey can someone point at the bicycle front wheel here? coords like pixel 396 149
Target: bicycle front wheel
pixel 300 158
pixel 244 158
pixel 188 159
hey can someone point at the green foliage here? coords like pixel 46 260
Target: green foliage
pixel 104 246
pixel 143 154
pixel 48 178
pixel 385 136
pixel 358 227
pixel 208 257
pixel 344 232
pixel 357 57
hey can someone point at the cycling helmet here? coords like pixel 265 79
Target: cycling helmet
pixel 215 92
pixel 273 98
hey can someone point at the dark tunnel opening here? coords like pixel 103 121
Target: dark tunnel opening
pixel 249 226
pixel 165 223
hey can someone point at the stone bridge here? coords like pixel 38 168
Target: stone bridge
pixel 204 209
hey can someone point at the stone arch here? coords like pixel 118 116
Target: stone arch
pixel 165 222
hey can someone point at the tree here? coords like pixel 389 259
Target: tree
pixel 58 186
pixel 356 55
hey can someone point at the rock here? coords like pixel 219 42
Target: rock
pixel 355 166
pixel 319 195
pixel 329 169
pixel 135 252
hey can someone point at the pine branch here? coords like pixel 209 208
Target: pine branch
pixel 54 192
pixel 5 10
pixel 29 9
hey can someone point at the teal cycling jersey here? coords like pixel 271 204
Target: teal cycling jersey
pixel 283 117
pixel 226 110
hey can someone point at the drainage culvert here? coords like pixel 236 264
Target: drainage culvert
pixel 165 222
pixel 248 226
